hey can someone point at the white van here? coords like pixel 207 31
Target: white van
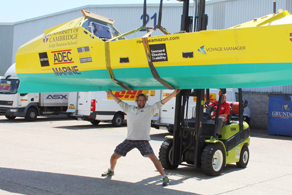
pixel 98 106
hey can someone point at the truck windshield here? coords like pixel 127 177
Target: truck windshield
pixel 9 86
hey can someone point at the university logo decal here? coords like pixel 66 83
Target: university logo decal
pixel 46 38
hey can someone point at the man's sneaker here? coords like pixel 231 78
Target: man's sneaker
pixel 165 181
pixel 109 172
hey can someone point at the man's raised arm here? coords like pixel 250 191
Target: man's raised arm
pixel 113 96
pixel 173 94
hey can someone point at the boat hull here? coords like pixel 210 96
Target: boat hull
pixel 230 58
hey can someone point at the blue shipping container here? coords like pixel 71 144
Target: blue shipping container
pixel 280 114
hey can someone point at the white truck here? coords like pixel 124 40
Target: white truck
pixel 28 105
pixel 96 106
pixel 165 116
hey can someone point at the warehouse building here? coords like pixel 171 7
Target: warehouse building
pixel 221 14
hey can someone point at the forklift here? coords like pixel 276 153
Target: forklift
pixel 194 141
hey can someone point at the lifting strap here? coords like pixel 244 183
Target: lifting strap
pixel 109 68
pixel 151 66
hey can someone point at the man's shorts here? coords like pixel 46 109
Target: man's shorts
pixel 127 145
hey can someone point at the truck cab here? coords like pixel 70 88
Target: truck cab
pixel 28 105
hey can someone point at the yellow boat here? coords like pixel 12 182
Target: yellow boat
pixel 90 54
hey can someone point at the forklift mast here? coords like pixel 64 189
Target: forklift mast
pixel 189 140
pixel 181 130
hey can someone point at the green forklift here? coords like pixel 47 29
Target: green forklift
pixel 193 141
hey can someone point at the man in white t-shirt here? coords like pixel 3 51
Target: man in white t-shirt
pixel 138 131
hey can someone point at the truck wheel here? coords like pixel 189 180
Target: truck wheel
pixel 31 114
pixel 244 157
pixel 9 117
pixel 165 153
pixel 213 159
pixel 118 120
pixel 95 122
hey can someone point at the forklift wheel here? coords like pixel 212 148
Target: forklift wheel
pixel 165 153
pixel 244 157
pixel 213 159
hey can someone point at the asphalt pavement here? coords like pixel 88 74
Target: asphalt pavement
pixel 57 155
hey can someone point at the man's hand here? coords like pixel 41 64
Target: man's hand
pixel 110 92
pixel 173 94
pixel 113 96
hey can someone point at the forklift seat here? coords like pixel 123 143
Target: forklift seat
pixel 230 114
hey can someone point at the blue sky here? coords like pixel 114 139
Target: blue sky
pixel 18 10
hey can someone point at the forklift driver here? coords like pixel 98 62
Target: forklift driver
pixel 138 131
pixel 223 113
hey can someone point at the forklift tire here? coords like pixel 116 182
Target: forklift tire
pixel 244 157
pixel 95 122
pixel 31 114
pixel 165 153
pixel 118 120
pixel 9 117
pixel 213 159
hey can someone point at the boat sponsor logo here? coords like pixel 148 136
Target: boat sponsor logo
pixel 290 36
pixel 282 114
pixel 152 40
pixel 84 54
pixel 66 71
pixel 63 38
pixel 44 60
pixel 62 57
pixel 128 95
pixel 205 50
pixel 56 96
pixel 65 35
pixel 202 50
pixel 158 52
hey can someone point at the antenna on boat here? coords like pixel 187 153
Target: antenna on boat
pixel 274 6
pixel 144 13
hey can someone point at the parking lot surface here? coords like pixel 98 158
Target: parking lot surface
pixel 64 156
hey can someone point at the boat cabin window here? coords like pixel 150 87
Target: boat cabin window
pixel 100 29
pixel 9 86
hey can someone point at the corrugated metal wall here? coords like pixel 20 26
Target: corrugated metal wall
pixel 6 40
